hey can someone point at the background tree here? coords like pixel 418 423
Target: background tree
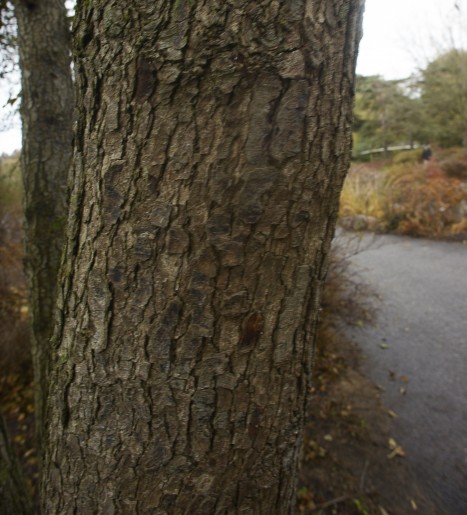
pixel 13 494
pixel 47 105
pixel 407 114
pixel 40 30
pixel 212 143
pixel 387 112
pixel 8 57
pixel 8 61
pixel 444 98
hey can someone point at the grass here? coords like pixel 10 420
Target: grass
pixel 10 184
pixel 361 194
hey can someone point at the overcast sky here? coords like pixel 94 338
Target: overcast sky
pixel 399 37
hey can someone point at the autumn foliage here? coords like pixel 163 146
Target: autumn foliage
pixel 16 390
pixel 427 200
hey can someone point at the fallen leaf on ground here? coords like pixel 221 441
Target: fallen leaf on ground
pixel 396 449
pixel 29 452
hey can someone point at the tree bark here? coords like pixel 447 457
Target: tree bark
pixel 47 103
pixel 212 143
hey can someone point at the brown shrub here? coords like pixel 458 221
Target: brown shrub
pixel 424 202
pixel 14 323
pixel 455 168
pixel 411 199
pixel 346 297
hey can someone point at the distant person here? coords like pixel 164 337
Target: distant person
pixel 426 154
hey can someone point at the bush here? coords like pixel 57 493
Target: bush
pixel 408 156
pixel 14 324
pixel 455 168
pixel 408 199
pixel 346 297
pixel 422 201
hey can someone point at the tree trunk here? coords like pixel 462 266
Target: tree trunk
pixel 212 143
pixel 47 115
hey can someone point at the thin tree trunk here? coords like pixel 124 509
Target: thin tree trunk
pixel 213 139
pixel 46 111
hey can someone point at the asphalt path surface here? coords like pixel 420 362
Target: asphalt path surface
pixel 417 353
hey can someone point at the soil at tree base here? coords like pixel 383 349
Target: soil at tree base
pixel 351 462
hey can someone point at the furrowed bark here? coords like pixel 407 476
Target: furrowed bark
pixel 47 103
pixel 212 143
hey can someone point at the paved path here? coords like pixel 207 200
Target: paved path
pixel 418 353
